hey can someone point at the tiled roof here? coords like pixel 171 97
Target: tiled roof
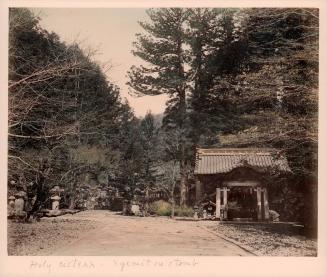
pixel 223 160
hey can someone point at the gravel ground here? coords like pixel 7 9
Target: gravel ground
pixel 105 233
pixel 91 233
pixel 266 241
pixel 40 238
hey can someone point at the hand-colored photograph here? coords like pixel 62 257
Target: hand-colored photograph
pixel 163 131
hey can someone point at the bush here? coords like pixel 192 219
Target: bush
pixel 163 208
pixel 184 211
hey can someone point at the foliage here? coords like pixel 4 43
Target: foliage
pixel 234 77
pixel 280 92
pixel 280 82
pixel 216 50
pixel 61 107
pixel 248 77
pixel 184 211
pixel 163 208
pixel 161 47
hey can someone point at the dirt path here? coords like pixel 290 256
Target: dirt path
pixel 152 236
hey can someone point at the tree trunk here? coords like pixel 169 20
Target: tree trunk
pixel 173 209
pixel 73 193
pixel 183 185
pixel 181 123
pixel 146 206
pixel 72 202
pixel 172 197
pixel 182 201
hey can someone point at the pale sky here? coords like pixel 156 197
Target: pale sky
pixel 111 31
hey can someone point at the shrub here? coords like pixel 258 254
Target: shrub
pixel 184 211
pixel 161 208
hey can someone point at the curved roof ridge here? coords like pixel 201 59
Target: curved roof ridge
pixel 226 159
pixel 231 151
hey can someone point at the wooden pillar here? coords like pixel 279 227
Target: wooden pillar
pixel 218 203
pixel 225 190
pixel 198 190
pixel 225 196
pixel 265 204
pixel 259 203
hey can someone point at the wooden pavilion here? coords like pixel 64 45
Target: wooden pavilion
pixel 235 179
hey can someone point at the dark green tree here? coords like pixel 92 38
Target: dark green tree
pixel 60 106
pixel 162 48
pixel 216 51
pixel 151 155
pixel 277 94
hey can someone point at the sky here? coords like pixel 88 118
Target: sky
pixel 111 31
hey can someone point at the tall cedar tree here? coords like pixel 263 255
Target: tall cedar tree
pixel 162 48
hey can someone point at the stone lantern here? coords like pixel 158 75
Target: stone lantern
pixel 11 202
pixel 11 206
pixel 19 203
pixel 56 190
pixel 55 202
pixel 55 198
pixel 19 212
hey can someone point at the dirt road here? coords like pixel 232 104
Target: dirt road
pixel 151 236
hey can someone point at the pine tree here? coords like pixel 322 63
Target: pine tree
pixel 162 48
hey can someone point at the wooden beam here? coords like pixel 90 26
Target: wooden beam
pixel 241 184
